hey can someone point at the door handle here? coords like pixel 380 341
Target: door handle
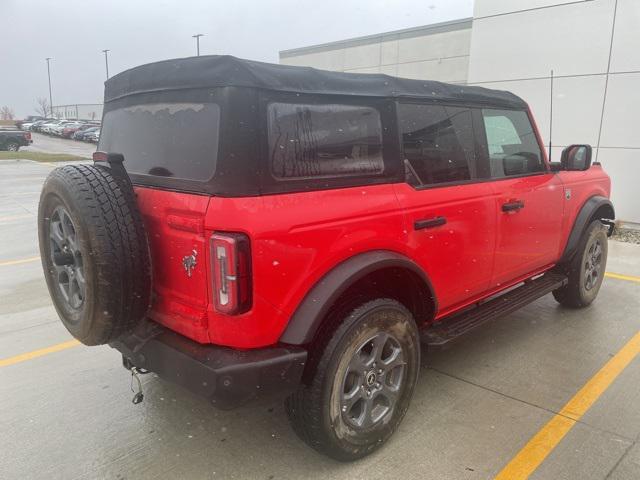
pixel 429 223
pixel 512 206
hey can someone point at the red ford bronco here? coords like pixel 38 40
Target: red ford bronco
pixel 250 229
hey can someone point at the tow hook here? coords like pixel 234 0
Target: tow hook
pixel 138 396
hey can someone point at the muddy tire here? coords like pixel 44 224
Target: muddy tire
pixel 94 252
pixel 586 269
pixel 361 387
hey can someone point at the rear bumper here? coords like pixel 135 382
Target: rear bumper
pixel 226 376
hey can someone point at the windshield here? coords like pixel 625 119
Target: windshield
pixel 178 140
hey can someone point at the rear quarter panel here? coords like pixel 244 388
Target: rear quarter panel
pixel 296 238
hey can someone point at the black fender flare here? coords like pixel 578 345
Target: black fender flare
pixel 312 310
pixel 590 208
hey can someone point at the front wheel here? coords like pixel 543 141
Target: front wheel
pixel 586 269
pixel 362 384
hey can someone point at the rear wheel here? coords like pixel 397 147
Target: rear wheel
pixel 586 269
pixel 361 387
pixel 13 147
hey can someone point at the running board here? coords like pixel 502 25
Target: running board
pixel 444 332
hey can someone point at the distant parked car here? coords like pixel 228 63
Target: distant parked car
pixel 57 130
pixel 36 127
pixel 12 140
pixel 70 128
pixel 81 134
pixel 93 136
pixel 30 120
pixel 47 127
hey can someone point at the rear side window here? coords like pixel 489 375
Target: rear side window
pixel 178 140
pixel 438 143
pixel 512 144
pixel 325 140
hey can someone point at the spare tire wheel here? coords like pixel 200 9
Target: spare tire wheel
pixel 94 252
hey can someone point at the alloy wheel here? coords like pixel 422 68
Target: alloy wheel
pixel 592 265
pixel 373 381
pixel 68 270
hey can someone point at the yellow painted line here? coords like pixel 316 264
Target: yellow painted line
pixel 19 261
pixel 542 444
pixel 629 278
pixel 38 353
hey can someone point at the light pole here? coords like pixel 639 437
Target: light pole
pixel 106 61
pixel 50 97
pixel 197 37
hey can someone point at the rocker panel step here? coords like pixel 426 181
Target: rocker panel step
pixel 451 328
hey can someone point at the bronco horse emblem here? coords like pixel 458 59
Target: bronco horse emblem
pixel 189 262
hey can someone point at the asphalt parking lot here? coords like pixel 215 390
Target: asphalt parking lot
pixel 47 144
pixel 544 386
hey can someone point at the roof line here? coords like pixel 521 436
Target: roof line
pixel 442 27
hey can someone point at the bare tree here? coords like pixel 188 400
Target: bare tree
pixel 42 107
pixel 6 113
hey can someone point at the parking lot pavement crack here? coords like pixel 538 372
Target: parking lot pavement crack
pixel 530 404
pixel 9 332
pixel 622 457
pixel 115 460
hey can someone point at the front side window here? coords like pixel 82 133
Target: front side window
pixel 325 140
pixel 177 140
pixel 437 143
pixel 512 144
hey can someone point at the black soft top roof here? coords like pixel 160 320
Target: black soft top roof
pixel 225 70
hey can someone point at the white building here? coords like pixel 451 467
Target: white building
pixel 437 52
pixel 80 111
pixel 592 46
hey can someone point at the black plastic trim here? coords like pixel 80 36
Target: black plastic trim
pixel 429 223
pixel 227 377
pixel 307 318
pixel 582 222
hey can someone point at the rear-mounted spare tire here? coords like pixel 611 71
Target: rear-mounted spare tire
pixel 94 251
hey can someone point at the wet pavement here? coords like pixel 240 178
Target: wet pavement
pixel 68 414
pixel 49 144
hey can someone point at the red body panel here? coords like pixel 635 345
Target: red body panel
pixel 457 256
pixel 175 226
pixel 297 238
pixel 527 239
pixel 578 187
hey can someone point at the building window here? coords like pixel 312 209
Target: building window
pixel 325 140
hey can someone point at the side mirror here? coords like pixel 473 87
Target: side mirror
pixel 576 157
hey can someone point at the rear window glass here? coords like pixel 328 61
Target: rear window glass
pixel 307 141
pixel 178 140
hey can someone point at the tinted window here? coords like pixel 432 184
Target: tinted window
pixel 177 140
pixel 307 141
pixel 513 147
pixel 437 142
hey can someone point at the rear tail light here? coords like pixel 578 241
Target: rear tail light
pixel 231 272
pixel 27 135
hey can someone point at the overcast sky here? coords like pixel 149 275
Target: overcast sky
pixel 74 32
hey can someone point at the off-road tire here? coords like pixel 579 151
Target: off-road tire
pixel 12 147
pixel 575 293
pixel 112 243
pixel 314 410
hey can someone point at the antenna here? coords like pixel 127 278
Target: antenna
pixel 551 116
